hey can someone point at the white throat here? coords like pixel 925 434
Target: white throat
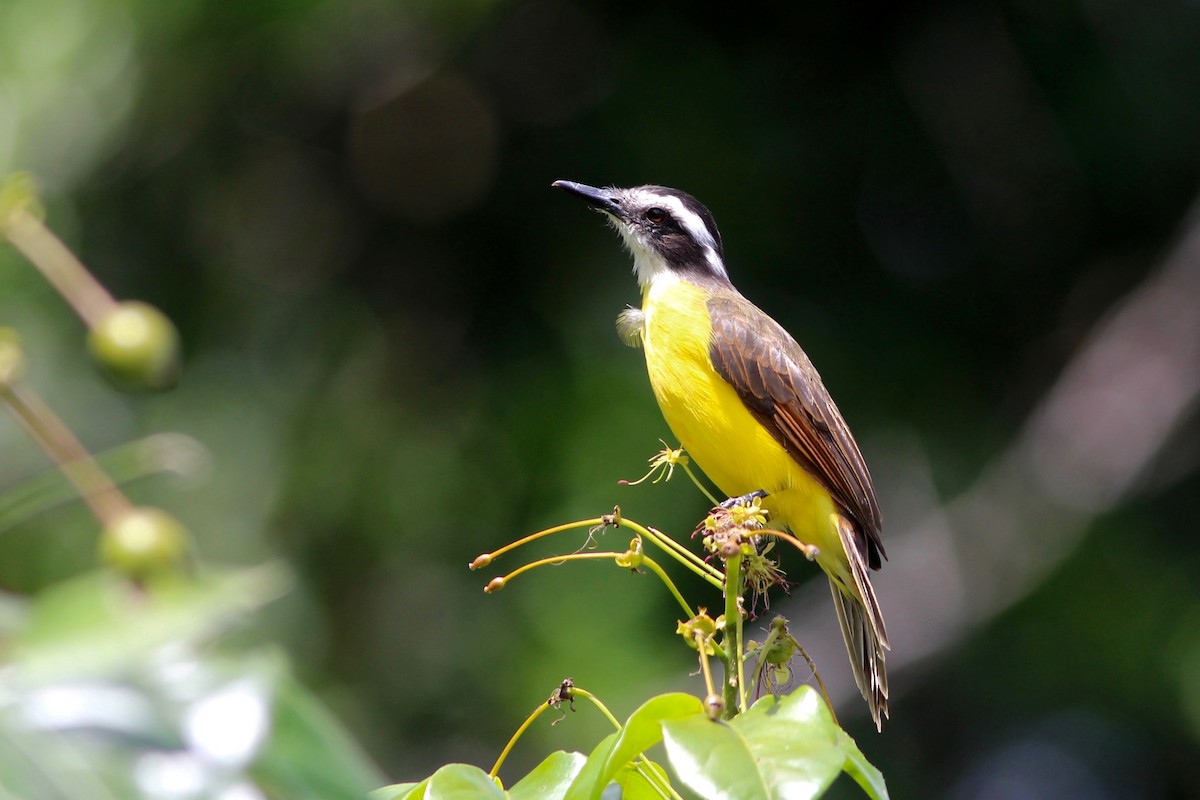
pixel 649 266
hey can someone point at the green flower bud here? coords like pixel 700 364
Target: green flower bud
pixel 142 542
pixel 136 346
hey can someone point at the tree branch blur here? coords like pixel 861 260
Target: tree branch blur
pixel 1083 451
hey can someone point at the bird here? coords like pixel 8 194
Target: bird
pixel 747 405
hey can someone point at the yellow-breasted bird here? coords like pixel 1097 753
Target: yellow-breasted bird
pixel 746 403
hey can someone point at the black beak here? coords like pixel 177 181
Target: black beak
pixel 600 199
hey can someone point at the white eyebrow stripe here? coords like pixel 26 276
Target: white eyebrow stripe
pixel 692 222
pixel 689 220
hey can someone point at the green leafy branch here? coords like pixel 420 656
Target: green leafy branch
pixel 783 745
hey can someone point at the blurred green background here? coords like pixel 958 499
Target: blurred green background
pixel 400 352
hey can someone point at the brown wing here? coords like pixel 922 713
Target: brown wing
pixel 782 389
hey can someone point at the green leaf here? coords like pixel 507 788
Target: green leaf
pixel 711 760
pixel 99 623
pixel 462 782
pixel 781 748
pixel 309 755
pixel 551 778
pixel 862 771
pixel 635 785
pixel 400 791
pixel 641 731
pixel 396 791
pixel 587 783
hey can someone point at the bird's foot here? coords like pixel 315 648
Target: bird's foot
pixel 744 500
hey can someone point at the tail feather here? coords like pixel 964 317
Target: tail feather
pixel 862 626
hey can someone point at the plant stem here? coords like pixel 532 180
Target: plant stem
pixel 699 485
pixel 555 560
pixel 740 655
pixel 58 265
pixel 537 712
pixel 684 556
pixel 657 570
pixel 157 453
pixel 733 693
pixel 95 487
pixel 567 526
pixel 820 683
pixel 586 695
pixel 642 765
pixel 701 647
pixel 810 551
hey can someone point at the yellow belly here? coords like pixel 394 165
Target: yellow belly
pixel 737 453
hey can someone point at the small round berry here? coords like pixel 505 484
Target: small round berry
pixel 143 541
pixel 136 346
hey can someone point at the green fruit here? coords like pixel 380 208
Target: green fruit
pixel 136 346
pixel 143 541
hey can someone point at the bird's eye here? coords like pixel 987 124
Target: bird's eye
pixel 655 215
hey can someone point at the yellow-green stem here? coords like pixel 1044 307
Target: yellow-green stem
pixel 810 551
pixel 820 683
pixel 699 485
pixel 586 695
pixel 702 647
pixel 537 712
pixel 657 570
pixel 642 769
pixel 642 765
pixel 740 656
pixel 684 556
pixel 541 562
pixel 588 523
pixel 733 693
